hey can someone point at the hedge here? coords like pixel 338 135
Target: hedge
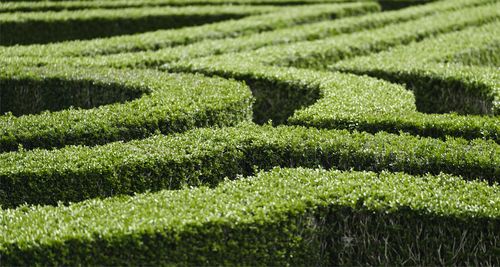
pixel 373 105
pixel 159 182
pixel 152 102
pixel 315 54
pixel 319 54
pixel 311 53
pixel 46 27
pixel 30 6
pixel 485 55
pixel 284 217
pixel 440 87
pixel 307 54
pixel 283 18
pixel 206 156
pixel 339 108
pixel 337 101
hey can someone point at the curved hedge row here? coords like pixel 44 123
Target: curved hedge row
pixel 375 98
pixel 390 30
pixel 46 27
pixel 418 214
pixel 297 47
pixel 316 54
pixel 320 54
pixel 400 32
pixel 283 18
pixel 169 103
pixel 463 89
pixel 287 216
pixel 206 156
pixel 30 6
pixel 341 101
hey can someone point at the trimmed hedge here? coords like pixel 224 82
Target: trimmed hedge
pixel 283 18
pixel 284 217
pixel 169 103
pixel 373 105
pixel 206 156
pixel 46 27
pixel 339 108
pixel 25 6
pixel 485 55
pixel 440 205
pixel 440 87
pixel 316 54
pixel 309 53
pixel 320 54
pixel 335 100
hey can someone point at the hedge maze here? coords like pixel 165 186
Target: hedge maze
pixel 250 132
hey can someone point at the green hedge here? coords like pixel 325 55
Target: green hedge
pixel 206 156
pixel 440 87
pixel 315 52
pixel 284 217
pixel 169 103
pixel 320 54
pixel 485 55
pixel 335 100
pixel 307 54
pixel 30 6
pixel 372 105
pixel 313 31
pixel 285 17
pixel 46 27
pixel 384 106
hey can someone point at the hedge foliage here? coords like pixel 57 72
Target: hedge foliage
pixel 154 102
pixel 167 168
pixel 283 18
pixel 454 87
pixel 59 5
pixel 298 47
pixel 319 54
pixel 320 30
pixel 484 55
pixel 337 101
pixel 206 156
pixel 46 27
pixel 286 216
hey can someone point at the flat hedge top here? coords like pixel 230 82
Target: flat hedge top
pixel 282 18
pixel 142 147
pixel 171 103
pixel 266 197
pixel 131 13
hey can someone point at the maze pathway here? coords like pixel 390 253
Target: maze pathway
pixel 250 132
